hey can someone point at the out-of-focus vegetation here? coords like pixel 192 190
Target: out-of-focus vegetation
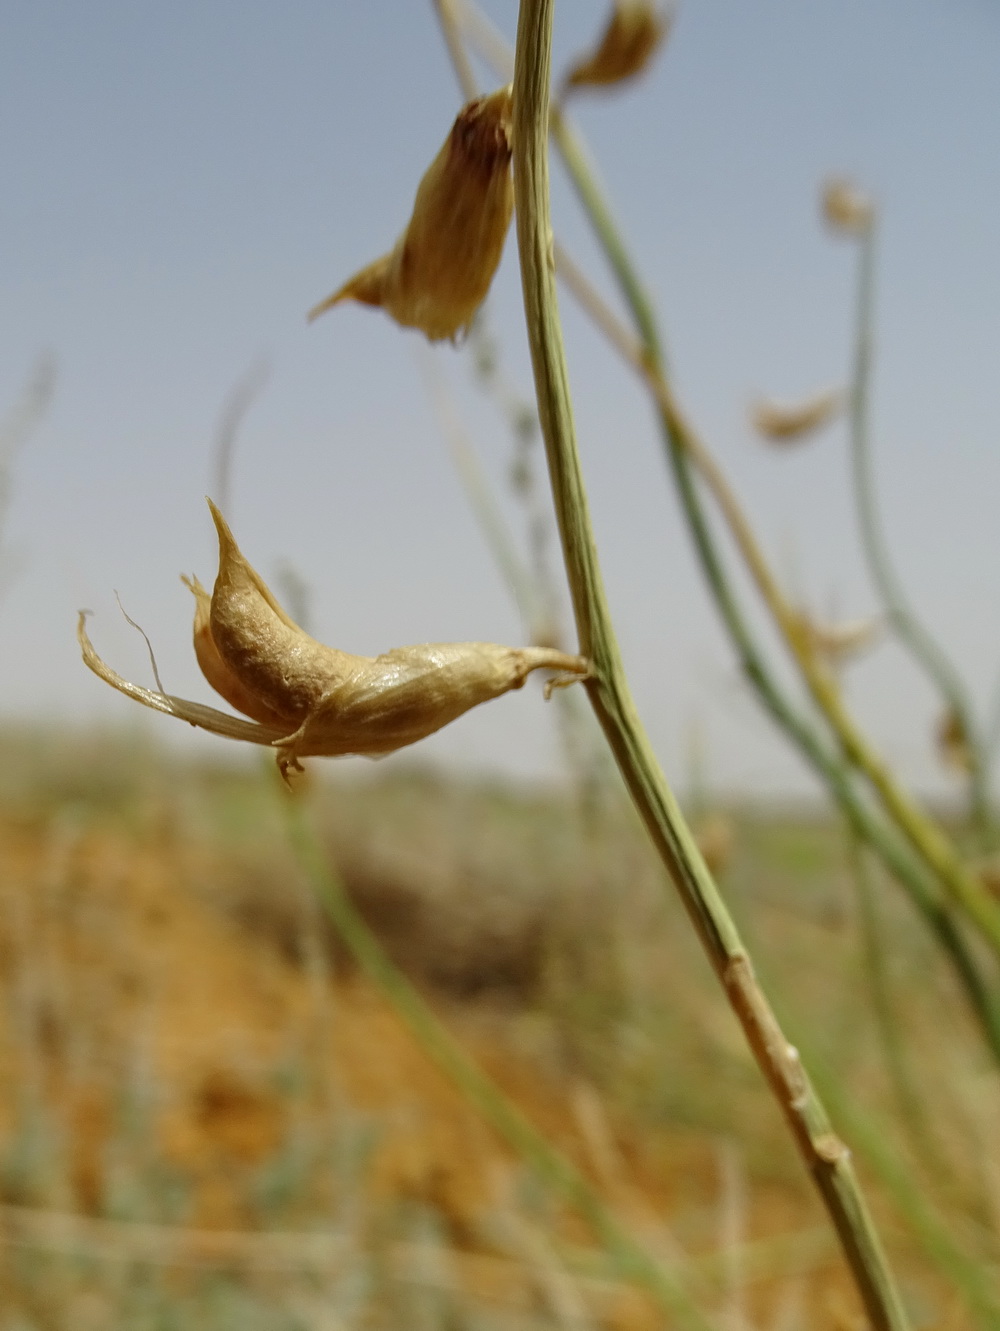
pixel 210 1119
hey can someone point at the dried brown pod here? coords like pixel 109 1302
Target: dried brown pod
pixel 988 873
pixel 635 30
pixel 791 422
pixel 846 208
pixel 440 270
pixel 715 837
pixel 953 742
pixel 836 643
pixel 306 699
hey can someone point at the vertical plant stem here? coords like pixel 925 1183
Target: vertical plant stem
pixel 826 1157
pixel 875 965
pixel 529 600
pixel 900 613
pixel 481 1092
pixel 927 839
pixel 925 836
pixel 646 359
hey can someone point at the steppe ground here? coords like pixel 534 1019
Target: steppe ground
pixel 210 1119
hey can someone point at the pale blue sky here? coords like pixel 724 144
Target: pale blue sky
pixel 182 182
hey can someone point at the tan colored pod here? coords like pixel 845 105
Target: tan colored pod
pixel 846 208
pixel 275 661
pixel 836 643
pixel 635 30
pixel 226 684
pixel 441 268
pixel 307 699
pixel 791 422
pixel 953 745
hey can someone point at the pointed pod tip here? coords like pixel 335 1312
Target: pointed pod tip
pixel 323 306
pixel 367 287
pixel 227 541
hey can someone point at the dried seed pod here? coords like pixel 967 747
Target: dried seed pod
pixel 440 270
pixel 715 837
pixel 634 32
pixel 836 643
pixel 226 684
pixel 847 208
pixel 988 873
pixel 307 699
pixel 953 742
pixel 790 422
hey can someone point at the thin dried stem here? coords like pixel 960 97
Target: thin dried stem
pixel 527 597
pixel 235 408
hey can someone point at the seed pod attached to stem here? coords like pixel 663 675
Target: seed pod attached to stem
pixel 635 30
pixel 846 208
pixel 790 422
pixel 306 699
pixel 440 270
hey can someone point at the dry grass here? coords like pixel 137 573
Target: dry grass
pixel 209 1120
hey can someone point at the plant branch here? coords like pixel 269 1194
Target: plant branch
pixel 645 358
pixel 685 445
pixel 826 1157
pixel 899 611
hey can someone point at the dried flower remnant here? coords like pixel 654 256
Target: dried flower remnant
pixel 988 873
pixel 847 208
pixel 441 268
pixel 635 30
pixel 953 742
pixel 309 700
pixel 836 643
pixel 791 422
pixel 715 836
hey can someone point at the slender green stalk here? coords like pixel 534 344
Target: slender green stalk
pixel 969 1273
pixel 532 607
pixel 899 611
pixel 875 952
pixel 826 1156
pixel 647 359
pixel 496 1109
pixel 678 439
pixel 925 836
pixel 532 589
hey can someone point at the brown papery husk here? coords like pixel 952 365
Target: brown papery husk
pixel 790 423
pixel 846 208
pixel 634 32
pixel 410 692
pixel 225 683
pixel 441 268
pixel 275 661
pixel 308 699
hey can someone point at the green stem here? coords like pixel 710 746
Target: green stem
pixel 825 1155
pixel 927 839
pixel 968 1271
pixel 481 1092
pixel 899 612
pixel 833 772
pixel 874 955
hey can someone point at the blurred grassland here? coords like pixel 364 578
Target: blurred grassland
pixel 209 1119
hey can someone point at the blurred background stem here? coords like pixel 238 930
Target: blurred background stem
pixel 496 1109
pixel 899 611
